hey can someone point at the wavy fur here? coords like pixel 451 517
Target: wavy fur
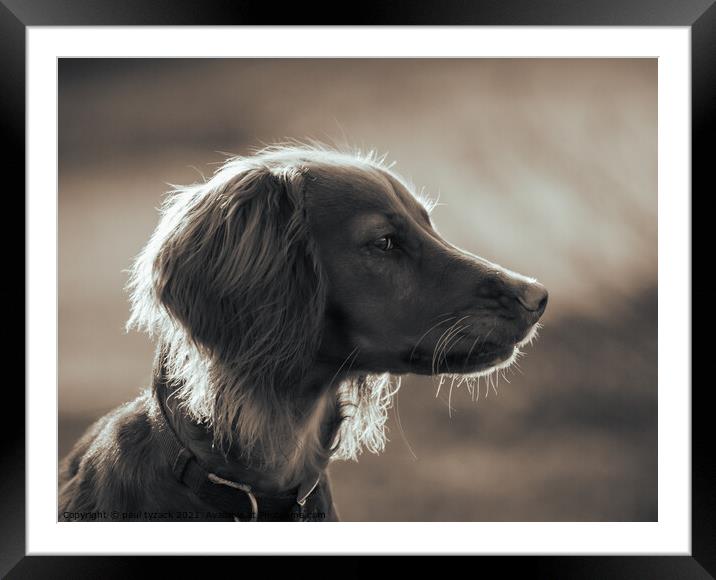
pixel 230 285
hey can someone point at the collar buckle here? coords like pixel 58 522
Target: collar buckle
pixel 305 491
pixel 241 487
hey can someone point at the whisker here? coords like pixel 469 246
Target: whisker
pixel 440 384
pixel 412 352
pixel 400 427
pixel 354 354
pixel 450 342
pixel 452 383
pixel 453 332
pixel 437 347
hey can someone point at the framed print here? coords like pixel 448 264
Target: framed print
pixel 374 289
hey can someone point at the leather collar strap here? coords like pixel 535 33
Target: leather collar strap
pixel 231 499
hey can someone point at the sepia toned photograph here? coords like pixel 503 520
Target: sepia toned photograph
pixel 378 290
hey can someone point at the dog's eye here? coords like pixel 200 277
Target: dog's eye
pixel 385 243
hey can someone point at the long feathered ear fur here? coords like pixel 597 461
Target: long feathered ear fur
pixel 231 285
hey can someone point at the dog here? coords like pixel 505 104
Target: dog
pixel 287 294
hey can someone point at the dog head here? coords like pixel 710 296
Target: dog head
pixel 299 259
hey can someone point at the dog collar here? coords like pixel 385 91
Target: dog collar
pixel 233 499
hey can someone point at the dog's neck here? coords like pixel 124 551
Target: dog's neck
pixel 319 407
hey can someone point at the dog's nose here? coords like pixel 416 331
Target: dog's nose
pixel 519 295
pixel 533 296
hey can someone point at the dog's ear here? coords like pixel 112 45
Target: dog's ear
pixel 238 272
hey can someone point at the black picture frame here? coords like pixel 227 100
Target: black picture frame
pixel 17 15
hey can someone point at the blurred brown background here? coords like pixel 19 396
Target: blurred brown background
pixel 547 167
